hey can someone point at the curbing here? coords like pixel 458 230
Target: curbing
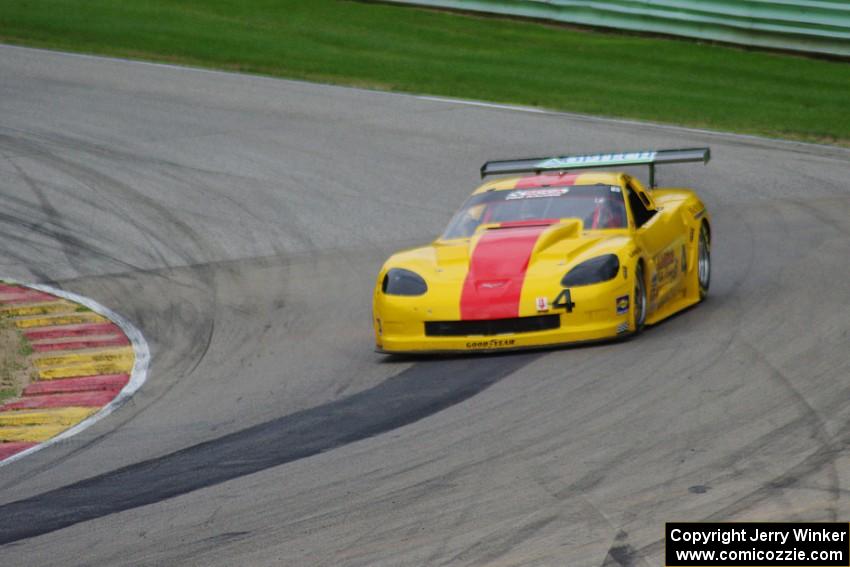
pixel 138 374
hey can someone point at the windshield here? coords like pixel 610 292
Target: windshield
pixel 599 206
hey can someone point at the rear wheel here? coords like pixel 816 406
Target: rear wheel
pixel 704 261
pixel 639 300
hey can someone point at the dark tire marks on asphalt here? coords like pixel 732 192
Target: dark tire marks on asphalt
pixel 416 393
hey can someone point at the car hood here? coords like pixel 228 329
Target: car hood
pixel 487 271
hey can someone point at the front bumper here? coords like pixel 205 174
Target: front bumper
pixel 400 324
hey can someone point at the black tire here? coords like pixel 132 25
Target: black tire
pixel 639 300
pixel 704 261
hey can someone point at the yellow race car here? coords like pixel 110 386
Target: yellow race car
pixel 552 257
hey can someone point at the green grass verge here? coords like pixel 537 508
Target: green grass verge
pixel 16 370
pixel 6 393
pixel 414 50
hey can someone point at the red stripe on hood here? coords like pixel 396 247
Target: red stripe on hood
pixel 497 271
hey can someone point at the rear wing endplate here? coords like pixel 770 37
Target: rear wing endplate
pixel 592 161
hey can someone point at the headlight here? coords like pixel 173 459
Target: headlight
pixel 403 282
pixel 593 271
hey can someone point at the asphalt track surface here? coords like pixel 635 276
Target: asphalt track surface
pixel 239 222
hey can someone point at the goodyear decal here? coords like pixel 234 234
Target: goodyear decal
pixel 492 343
pixel 622 305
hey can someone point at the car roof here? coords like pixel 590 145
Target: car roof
pixel 551 180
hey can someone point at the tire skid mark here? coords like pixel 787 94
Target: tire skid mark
pixel 414 394
pixel 829 447
pixel 788 479
pixel 132 206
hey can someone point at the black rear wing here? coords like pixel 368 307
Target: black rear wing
pixel 592 161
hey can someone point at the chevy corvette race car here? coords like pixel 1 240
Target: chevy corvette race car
pixel 553 257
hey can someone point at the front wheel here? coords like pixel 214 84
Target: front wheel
pixel 704 262
pixel 639 299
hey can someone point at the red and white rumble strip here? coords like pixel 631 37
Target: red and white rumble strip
pixel 89 361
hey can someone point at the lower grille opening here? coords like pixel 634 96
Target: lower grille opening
pixel 492 326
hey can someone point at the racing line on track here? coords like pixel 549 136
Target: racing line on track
pixel 418 392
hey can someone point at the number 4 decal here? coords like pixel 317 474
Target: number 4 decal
pixel 564 300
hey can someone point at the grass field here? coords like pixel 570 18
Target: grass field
pixel 6 393
pixel 16 369
pixel 406 49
